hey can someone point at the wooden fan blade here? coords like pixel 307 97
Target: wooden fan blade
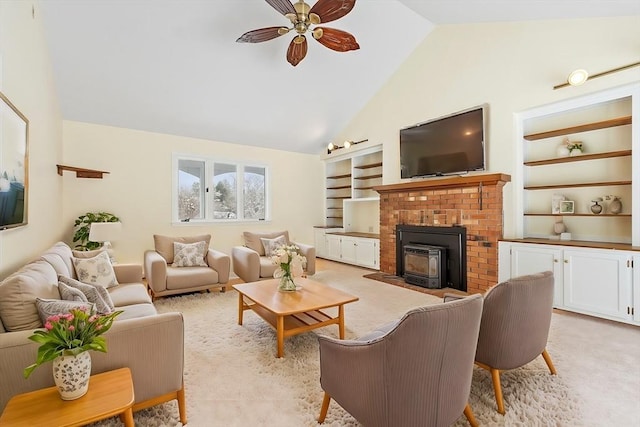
pixel 330 10
pixel 337 40
pixel 262 34
pixel 282 6
pixel 297 50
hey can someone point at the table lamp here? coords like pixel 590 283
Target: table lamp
pixel 105 232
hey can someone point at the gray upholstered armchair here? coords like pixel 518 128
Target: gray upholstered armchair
pixel 515 326
pixel 413 372
pixel 165 277
pixel 251 263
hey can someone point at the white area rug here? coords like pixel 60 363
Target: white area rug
pixel 233 378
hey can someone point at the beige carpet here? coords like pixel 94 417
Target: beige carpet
pixel 233 378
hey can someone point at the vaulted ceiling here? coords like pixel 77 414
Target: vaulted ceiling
pixel 174 67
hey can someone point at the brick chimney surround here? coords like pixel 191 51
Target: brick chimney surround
pixel 473 202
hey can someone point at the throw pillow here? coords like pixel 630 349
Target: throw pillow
pixel 95 294
pixel 96 271
pixel 87 254
pixel 270 245
pixel 68 293
pixel 51 307
pixel 189 254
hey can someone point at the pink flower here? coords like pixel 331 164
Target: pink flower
pixel 48 326
pixel 72 328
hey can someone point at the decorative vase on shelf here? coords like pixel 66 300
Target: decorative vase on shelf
pixel 615 207
pixel 71 375
pixel 575 152
pixel 559 227
pixel 562 150
pixel 596 208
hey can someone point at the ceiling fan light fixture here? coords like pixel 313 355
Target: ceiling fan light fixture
pixel 314 18
pixel 302 17
pixel 578 77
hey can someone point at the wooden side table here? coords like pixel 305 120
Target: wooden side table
pixel 110 393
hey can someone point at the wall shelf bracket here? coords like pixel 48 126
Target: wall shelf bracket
pixel 81 172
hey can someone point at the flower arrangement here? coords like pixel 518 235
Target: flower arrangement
pixel 70 334
pixel 290 264
pixel 573 145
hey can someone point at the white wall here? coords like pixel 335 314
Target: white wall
pixel 510 66
pixel 26 79
pixel 138 187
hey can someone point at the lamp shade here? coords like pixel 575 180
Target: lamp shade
pixel 105 231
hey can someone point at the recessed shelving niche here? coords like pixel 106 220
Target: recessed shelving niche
pixel 604 124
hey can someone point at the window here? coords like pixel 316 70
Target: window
pixel 220 191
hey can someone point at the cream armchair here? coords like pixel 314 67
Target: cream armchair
pixel 164 278
pixel 251 263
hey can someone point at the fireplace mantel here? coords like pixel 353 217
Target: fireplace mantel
pixel 471 201
pixel 446 182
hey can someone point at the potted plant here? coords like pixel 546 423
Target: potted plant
pixel 83 225
pixel 66 340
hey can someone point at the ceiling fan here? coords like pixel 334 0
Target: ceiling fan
pixel 302 16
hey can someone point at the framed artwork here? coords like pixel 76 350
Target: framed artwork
pixel 14 171
pixel 566 206
pixel 555 203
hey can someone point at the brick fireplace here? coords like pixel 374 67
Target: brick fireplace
pixel 473 202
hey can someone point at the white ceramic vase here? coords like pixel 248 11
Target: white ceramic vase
pixel 615 207
pixel 71 375
pixel 562 151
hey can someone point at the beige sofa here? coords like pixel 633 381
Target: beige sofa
pixel 165 279
pixel 251 264
pixel 150 344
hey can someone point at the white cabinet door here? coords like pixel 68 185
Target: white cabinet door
pixel 636 288
pixel 320 242
pixel 529 259
pixel 334 250
pixel 598 282
pixel 367 253
pixel 349 245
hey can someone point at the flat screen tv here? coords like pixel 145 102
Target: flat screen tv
pixel 447 145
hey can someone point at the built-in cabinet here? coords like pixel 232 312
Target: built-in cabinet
pixel 595 263
pixel 350 234
pixel 320 240
pixel 594 281
pixel 351 249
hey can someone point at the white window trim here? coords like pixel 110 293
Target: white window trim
pixel 209 163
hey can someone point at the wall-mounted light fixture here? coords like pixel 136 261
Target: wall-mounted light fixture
pixel 331 147
pixel 578 77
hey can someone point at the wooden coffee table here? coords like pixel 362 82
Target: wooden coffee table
pixel 110 393
pixel 292 313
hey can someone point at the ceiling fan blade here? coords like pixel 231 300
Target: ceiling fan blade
pixel 330 10
pixel 282 6
pixel 297 50
pixel 262 34
pixel 337 40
